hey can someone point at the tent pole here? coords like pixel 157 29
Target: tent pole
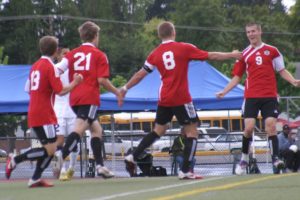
pixel 112 121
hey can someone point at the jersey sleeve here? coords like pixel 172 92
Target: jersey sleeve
pixel 195 53
pixel 149 63
pixel 239 68
pixel 27 86
pixel 278 61
pixel 63 65
pixel 54 79
pixel 102 66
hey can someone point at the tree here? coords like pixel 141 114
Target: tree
pixel 3 59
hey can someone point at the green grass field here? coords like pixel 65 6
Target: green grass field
pixel 254 187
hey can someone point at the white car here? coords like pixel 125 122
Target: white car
pixel 164 144
pixel 3 153
pixel 208 135
pixel 231 141
pixel 119 146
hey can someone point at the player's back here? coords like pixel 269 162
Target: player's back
pixel 44 81
pixel 91 63
pixel 171 59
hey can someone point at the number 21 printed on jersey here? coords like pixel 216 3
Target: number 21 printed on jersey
pixel 80 57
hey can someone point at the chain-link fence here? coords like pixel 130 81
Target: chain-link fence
pixel 213 157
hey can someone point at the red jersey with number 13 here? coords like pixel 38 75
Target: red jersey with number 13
pixel 260 64
pixel 92 64
pixel 44 83
pixel 171 59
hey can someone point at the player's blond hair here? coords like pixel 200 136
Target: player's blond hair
pixel 258 26
pixel 88 31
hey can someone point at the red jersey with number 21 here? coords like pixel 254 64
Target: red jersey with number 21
pixel 260 64
pixel 92 64
pixel 44 83
pixel 171 60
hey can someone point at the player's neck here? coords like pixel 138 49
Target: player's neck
pixel 256 44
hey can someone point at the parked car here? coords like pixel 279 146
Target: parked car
pixel 209 134
pixel 164 144
pixel 3 153
pixel 231 141
pixel 119 146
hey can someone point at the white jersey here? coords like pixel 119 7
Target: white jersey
pixel 62 106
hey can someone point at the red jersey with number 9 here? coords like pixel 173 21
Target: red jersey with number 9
pixel 44 82
pixel 171 59
pixel 92 64
pixel 260 64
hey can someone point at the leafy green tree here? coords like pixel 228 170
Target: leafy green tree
pixel 3 59
pixel 19 36
pixel 117 81
pixel 294 25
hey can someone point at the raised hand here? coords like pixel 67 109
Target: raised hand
pixel 123 91
pixel 220 94
pixel 120 98
pixel 237 54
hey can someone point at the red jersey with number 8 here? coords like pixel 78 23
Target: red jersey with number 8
pixel 44 82
pixel 92 64
pixel 171 60
pixel 260 64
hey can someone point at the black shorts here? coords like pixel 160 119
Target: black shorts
pixel 86 112
pixel 185 114
pixel 46 134
pixel 268 107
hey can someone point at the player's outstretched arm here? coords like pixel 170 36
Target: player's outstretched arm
pixel 286 75
pixel 77 78
pixel 224 55
pixel 135 79
pixel 234 81
pixel 111 88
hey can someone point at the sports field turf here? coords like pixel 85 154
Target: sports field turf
pixel 250 187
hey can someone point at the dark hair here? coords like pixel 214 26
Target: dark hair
pixel 88 31
pixel 48 45
pixel 258 26
pixel 165 30
pixel 286 127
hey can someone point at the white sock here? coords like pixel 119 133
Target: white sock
pixel 73 159
pixel 245 157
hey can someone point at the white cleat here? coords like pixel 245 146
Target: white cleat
pixel 104 172
pixel 241 168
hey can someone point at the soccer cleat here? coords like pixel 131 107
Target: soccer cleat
pixel 188 176
pixel 39 183
pixel 278 164
pixel 70 173
pixel 104 172
pixel 241 168
pixel 63 176
pixel 130 165
pixel 10 165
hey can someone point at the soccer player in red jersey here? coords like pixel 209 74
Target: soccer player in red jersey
pixel 93 65
pixel 171 59
pixel 260 61
pixel 43 83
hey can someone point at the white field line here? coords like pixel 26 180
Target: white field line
pixel 156 189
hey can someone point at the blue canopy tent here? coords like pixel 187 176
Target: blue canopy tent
pixel 204 82
pixel 13 98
